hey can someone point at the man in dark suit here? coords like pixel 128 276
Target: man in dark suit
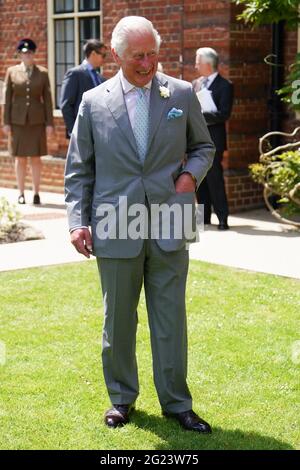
pixel 212 190
pixel 80 79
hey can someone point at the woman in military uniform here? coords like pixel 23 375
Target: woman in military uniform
pixel 27 115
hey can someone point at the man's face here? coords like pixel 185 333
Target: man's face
pixel 97 57
pixel 203 69
pixel 139 60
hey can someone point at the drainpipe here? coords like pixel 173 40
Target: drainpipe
pixel 275 104
pixel 181 57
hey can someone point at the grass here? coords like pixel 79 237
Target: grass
pixel 242 327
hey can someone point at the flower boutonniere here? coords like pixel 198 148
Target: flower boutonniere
pixel 164 92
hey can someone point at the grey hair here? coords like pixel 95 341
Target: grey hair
pixel 131 24
pixel 209 55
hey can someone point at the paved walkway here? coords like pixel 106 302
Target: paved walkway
pixel 255 242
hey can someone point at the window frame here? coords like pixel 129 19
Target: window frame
pixel 76 15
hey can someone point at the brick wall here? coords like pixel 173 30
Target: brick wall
pixel 167 19
pixel 22 19
pixel 242 192
pixel 52 178
pixel 184 26
pixel 251 77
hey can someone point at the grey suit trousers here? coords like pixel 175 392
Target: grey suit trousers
pixel 164 276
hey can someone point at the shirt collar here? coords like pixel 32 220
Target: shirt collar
pixel 127 86
pixel 211 78
pixel 87 65
pixel 24 67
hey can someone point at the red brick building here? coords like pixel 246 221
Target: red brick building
pixel 60 26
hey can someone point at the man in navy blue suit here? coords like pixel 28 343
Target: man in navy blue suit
pixel 211 191
pixel 80 79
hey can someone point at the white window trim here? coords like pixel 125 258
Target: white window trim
pixel 51 17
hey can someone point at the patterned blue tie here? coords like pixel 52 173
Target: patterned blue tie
pixel 141 124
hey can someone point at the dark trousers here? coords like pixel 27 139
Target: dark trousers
pixel 211 191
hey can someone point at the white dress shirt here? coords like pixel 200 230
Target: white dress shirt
pixel 131 95
pixel 210 79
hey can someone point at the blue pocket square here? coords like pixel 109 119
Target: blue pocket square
pixel 174 113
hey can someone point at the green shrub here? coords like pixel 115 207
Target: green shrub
pixel 280 174
pixel 9 215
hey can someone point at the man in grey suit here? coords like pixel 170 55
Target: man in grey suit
pixel 80 79
pixel 129 142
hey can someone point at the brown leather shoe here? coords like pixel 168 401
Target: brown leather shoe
pixel 118 415
pixel 190 421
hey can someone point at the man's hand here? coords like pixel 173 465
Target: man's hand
pixel 185 184
pixel 82 240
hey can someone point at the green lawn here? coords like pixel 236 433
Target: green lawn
pixel 242 327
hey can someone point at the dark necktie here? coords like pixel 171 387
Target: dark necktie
pixel 96 77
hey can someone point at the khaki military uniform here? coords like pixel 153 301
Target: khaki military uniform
pixel 28 109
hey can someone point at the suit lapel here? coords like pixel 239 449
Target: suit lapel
pixel 157 105
pixel 214 87
pixel 116 104
pixel 87 76
pixel 215 83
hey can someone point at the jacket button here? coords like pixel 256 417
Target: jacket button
pixel 27 104
pixel 27 89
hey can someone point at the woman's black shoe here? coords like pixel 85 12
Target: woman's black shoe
pixel 36 199
pixel 21 199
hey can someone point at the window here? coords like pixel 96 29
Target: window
pixel 70 24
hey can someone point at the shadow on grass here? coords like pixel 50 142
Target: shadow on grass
pixel 176 438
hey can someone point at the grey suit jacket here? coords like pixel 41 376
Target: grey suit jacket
pixel 103 163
